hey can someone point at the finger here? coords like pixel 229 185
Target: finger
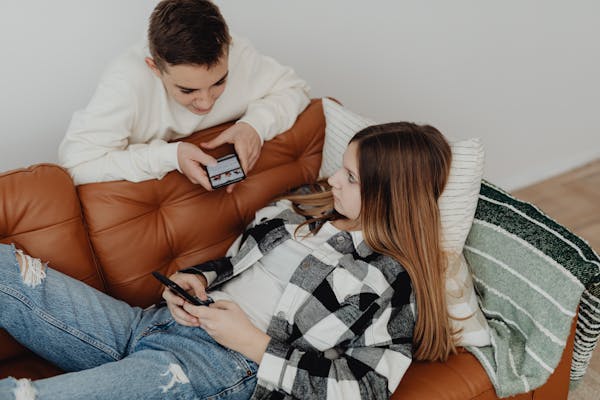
pixel 183 317
pixel 230 188
pixel 205 183
pixel 194 172
pixel 178 313
pixel 222 305
pixel 203 158
pixel 201 312
pixel 197 175
pixel 197 286
pixel 243 155
pixel 171 298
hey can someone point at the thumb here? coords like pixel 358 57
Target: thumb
pixel 198 288
pixel 223 304
pixel 216 142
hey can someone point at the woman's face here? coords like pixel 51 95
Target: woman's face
pixel 345 185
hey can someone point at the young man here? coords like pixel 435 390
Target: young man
pixel 190 75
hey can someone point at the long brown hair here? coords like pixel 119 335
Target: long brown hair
pixel 403 168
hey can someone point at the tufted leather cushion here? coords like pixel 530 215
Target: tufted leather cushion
pixel 41 215
pixel 166 225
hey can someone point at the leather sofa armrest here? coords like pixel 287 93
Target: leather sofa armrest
pixel 463 377
pixel 42 216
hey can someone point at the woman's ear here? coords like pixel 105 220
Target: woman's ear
pixel 152 65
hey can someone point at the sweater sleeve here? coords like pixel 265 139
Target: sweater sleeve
pixel 369 366
pixel 282 93
pixel 96 147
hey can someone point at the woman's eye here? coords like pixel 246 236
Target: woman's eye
pixel 351 179
pixel 186 91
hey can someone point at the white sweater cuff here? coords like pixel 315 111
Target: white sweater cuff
pixel 262 140
pixel 168 154
pixel 262 122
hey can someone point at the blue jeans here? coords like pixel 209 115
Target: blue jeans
pixel 110 349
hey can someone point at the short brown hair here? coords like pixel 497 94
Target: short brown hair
pixel 187 32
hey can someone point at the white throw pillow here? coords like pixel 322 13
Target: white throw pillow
pixel 457 207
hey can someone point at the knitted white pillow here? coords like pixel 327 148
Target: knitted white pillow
pixel 457 207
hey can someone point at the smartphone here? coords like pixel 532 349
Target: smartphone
pixel 178 290
pixel 227 171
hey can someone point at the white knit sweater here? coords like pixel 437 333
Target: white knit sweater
pixel 124 131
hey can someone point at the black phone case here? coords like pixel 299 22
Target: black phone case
pixel 218 186
pixel 178 290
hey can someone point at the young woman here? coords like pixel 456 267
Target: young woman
pixel 326 295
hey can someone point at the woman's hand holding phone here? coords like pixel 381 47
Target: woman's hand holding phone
pixel 229 325
pixel 189 282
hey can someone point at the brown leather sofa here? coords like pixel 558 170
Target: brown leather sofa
pixel 113 235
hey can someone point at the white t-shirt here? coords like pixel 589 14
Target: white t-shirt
pixel 258 289
pixel 124 130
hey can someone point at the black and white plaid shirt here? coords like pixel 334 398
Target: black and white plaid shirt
pixel 343 326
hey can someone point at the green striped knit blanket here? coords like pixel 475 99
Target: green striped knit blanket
pixel 531 274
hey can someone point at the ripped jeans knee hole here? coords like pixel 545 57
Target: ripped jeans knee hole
pixel 33 270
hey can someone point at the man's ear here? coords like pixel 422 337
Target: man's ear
pixel 152 65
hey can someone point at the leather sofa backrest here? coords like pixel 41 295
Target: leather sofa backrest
pixel 165 225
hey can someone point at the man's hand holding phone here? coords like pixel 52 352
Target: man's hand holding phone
pixel 201 168
pixel 191 160
pixel 196 284
pixel 227 171
pixel 247 144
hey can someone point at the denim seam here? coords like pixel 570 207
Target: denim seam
pixel 240 359
pixel 16 264
pixel 237 387
pixel 59 324
pixel 156 328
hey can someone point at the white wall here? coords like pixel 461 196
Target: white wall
pixel 522 75
pixel 51 56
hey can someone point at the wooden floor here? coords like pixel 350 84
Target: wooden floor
pixel 573 200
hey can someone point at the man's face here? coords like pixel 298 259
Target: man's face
pixel 195 87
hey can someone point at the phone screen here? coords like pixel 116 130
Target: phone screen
pixel 227 171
